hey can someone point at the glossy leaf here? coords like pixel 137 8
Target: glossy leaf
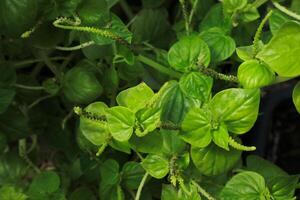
pixel 296 96
pixel 237 108
pixel 283 187
pixel 196 85
pixel 276 20
pixel 45 183
pixel 254 74
pixel 150 143
pixel 221 46
pixel 216 18
pixel 148 120
pixel 92 11
pixel 245 186
pixel 213 160
pixel 172 143
pixel 197 128
pixel 81 85
pixel 156 165
pixel 132 174
pixel 184 54
pixel 281 53
pixel 95 131
pixel 120 122
pixel 232 6
pixel 135 98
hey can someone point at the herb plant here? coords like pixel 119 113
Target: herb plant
pixel 105 99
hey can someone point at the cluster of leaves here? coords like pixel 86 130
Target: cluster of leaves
pixel 157 118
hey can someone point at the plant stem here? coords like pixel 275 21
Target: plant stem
pixel 74 48
pixel 259 32
pixel 286 11
pixel 202 191
pixel 19 65
pixel 23 154
pixel 38 101
pixel 50 65
pixel 217 75
pixel 139 191
pixel 101 149
pixel 185 15
pixel 126 9
pixel 29 87
pixel 159 67
pixel 258 3
pixel 193 12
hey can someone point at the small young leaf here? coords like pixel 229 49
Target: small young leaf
pixel 221 46
pixel 254 74
pixel 184 54
pixel 196 85
pixel 157 166
pixel 120 122
pixel 135 98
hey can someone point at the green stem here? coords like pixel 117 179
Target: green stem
pixel 66 118
pixel 158 67
pixel 139 191
pixel 74 48
pixel 23 154
pixel 259 32
pixel 258 3
pixel 286 11
pixel 216 75
pixel 38 101
pixel 29 87
pixel 21 64
pixel 239 146
pixel 185 15
pixel 126 9
pixel 101 149
pixel 202 191
pixel 193 12
pixel 50 65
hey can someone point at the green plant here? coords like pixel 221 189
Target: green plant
pixel 141 110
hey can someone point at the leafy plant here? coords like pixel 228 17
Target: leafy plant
pixel 104 99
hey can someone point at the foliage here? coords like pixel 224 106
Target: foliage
pixel 104 99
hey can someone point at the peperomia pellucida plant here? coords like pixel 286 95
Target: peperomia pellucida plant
pixel 112 100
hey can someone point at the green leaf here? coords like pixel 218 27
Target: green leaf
pixel 110 77
pixel 17 16
pixel 148 120
pixel 283 187
pixel 169 192
pixel 10 193
pixel 232 6
pixel 276 20
pixel 221 136
pixel 282 52
pixel 151 25
pixel 44 184
pixel 216 18
pixel 249 14
pixel 150 143
pixel 237 108
pixel 124 54
pixel 116 26
pixel 81 85
pixel 184 54
pixel 245 186
pixel 296 96
pixel 50 86
pixel 197 128
pixel 6 97
pixel 120 146
pixel 213 160
pixel 92 11
pixel 132 174
pixel 8 75
pixel 221 46
pixel 156 165
pixel 246 52
pixel 120 122
pixel 172 143
pixel 109 171
pixel 95 131
pixel 82 193
pixel 196 85
pixel 135 98
pixel 254 74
